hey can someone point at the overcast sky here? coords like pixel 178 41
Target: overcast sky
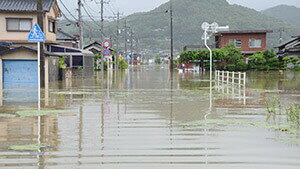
pixel 130 6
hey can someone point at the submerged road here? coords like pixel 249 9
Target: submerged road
pixel 147 118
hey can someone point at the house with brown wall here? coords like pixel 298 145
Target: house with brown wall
pixel 248 41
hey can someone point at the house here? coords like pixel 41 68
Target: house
pixel 66 39
pixel 95 47
pixel 290 48
pixel 79 63
pixel 17 17
pixel 19 61
pixel 249 41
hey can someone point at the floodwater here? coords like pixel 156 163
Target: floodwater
pixel 147 118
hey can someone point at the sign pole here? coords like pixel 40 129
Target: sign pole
pixel 39 74
pixel 36 35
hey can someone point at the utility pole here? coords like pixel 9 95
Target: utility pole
pixel 172 42
pixel 125 32
pixel 80 24
pixel 118 34
pixel 131 46
pixel 101 36
pixel 40 20
pixel 281 30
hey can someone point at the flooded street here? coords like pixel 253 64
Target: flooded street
pixel 147 118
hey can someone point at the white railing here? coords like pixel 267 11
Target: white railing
pixel 231 78
pixel 227 81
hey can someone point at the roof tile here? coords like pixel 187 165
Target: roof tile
pixel 24 5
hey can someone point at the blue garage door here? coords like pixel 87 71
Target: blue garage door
pixel 20 78
pixel 20 71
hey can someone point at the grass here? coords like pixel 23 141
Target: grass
pixel 274 108
pixel 33 113
pixel 30 147
pixel 7 115
pixel 293 114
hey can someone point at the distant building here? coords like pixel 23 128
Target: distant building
pixel 95 47
pixel 290 48
pixel 66 39
pixel 249 41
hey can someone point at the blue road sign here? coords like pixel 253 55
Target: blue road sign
pixel 106 52
pixel 36 34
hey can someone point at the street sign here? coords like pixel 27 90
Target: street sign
pixel 106 44
pixel 106 52
pixel 36 34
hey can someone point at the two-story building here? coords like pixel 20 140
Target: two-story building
pixel 248 41
pixel 18 60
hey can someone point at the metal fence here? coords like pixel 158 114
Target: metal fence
pixel 231 78
pixel 227 82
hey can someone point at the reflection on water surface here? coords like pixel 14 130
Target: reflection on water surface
pixel 146 117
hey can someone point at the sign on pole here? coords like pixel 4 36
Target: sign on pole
pixel 36 35
pixel 106 52
pixel 106 44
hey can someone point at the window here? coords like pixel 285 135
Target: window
pixel 77 61
pixel 255 43
pixel 237 43
pixel 18 24
pixel 52 26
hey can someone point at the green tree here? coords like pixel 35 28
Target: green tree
pixel 157 59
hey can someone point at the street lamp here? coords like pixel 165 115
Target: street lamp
pixel 212 28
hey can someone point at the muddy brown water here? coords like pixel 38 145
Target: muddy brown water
pixel 145 118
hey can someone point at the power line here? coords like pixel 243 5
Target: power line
pixel 68 10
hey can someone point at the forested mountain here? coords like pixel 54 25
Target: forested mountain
pixel 288 14
pixel 153 27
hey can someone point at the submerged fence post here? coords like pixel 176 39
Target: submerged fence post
pixel 245 79
pixel 223 76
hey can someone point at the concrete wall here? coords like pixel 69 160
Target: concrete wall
pixel 53 68
pixel 224 40
pixel 20 55
pixel 88 66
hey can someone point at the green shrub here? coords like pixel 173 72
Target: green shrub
pixel 231 67
pixel 157 59
pixel 61 63
pixel 241 65
pixel 123 64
